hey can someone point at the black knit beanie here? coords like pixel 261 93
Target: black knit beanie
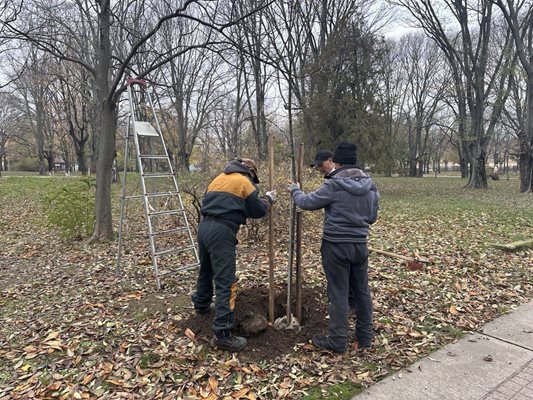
pixel 345 153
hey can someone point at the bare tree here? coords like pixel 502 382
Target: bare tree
pixel 393 97
pixel 32 89
pixel 467 52
pixel 424 87
pixel 191 84
pixel 10 116
pixel 72 104
pixel 112 51
pixel 519 16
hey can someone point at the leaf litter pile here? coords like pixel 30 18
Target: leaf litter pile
pixel 72 328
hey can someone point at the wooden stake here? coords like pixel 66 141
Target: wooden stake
pixel 292 235
pixel 299 241
pixel 271 231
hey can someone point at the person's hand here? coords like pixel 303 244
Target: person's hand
pixel 293 186
pixel 271 196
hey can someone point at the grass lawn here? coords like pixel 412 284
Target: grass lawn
pixel 72 328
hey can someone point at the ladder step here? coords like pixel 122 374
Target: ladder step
pixel 160 194
pixel 154 157
pixel 155 194
pixel 166 212
pixel 157 175
pixel 136 196
pixel 144 128
pixel 172 251
pixel 182 268
pixel 168 231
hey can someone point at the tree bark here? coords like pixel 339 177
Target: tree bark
pixel 103 228
pixel 522 32
pixel 526 145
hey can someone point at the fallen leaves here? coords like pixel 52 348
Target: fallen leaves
pixel 453 310
pixel 190 334
pixel 74 329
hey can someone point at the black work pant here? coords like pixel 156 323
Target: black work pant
pixel 216 246
pixel 346 269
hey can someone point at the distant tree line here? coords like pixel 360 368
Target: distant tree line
pixel 228 74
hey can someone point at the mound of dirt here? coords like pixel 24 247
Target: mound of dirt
pixel 269 343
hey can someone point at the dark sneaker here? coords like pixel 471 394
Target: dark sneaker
pixel 323 342
pixel 359 346
pixel 230 343
pixel 356 344
pixel 202 311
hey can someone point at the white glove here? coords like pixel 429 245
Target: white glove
pixel 271 196
pixel 293 186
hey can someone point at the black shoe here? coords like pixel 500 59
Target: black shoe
pixel 323 342
pixel 230 343
pixel 356 344
pixel 202 311
pixel 359 346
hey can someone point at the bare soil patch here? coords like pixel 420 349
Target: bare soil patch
pixel 270 343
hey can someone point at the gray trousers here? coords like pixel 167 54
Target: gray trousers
pixel 346 269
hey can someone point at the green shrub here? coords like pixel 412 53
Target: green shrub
pixel 70 209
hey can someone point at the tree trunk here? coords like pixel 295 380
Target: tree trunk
pixel 233 145
pixel 526 145
pixel 81 159
pixel 183 157
pixel 421 168
pixel 478 175
pixel 50 160
pixel 477 149
pixel 103 229
pixel 260 111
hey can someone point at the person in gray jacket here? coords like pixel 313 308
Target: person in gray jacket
pixel 351 202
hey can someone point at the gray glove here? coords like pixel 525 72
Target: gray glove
pixel 271 196
pixel 293 186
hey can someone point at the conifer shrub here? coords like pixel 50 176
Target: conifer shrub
pixel 70 209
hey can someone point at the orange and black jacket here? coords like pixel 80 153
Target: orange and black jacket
pixel 232 197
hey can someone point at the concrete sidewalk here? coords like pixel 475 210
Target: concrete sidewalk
pixel 495 364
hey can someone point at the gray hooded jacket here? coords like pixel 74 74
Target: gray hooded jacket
pixel 350 200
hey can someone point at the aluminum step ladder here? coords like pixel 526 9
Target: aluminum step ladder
pixel 169 231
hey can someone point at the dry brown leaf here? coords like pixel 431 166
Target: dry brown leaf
pixel 116 382
pixel 54 386
pixel 29 356
pixel 52 335
pixel 213 383
pixel 240 393
pixel 190 334
pixel 87 378
pixel 30 349
pixel 54 344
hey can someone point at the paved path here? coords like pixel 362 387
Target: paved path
pixel 518 387
pixel 495 364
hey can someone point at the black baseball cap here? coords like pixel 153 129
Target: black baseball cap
pixel 321 156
